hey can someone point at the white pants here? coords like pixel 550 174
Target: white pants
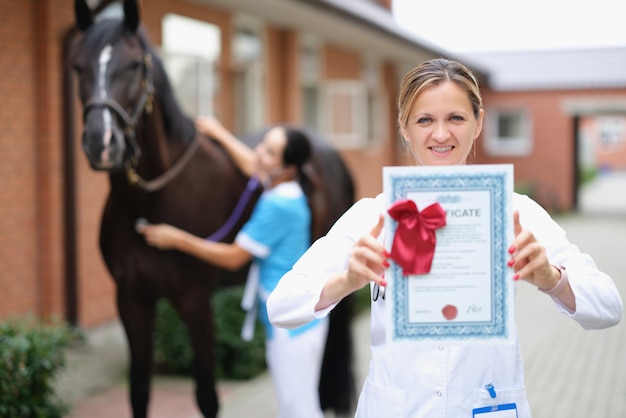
pixel 295 364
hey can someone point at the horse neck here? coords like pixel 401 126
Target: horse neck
pixel 165 134
pixel 159 150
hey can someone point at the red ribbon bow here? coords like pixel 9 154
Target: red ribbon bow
pixel 414 242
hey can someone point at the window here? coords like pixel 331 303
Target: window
pixel 508 133
pixel 377 117
pixel 190 50
pixel 310 84
pixel 310 96
pixel 345 114
pixel 611 132
pixel 247 59
pixel 350 113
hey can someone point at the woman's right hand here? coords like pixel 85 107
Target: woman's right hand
pixel 367 263
pixel 368 259
pixel 161 236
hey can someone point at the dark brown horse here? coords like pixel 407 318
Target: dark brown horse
pixel 162 170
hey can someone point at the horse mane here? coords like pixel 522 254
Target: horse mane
pixel 176 123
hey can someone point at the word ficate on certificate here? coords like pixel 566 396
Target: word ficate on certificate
pixel 448 229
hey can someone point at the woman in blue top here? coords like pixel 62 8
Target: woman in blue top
pixel 275 236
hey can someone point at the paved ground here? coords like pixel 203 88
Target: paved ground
pixel 605 195
pixel 95 384
pixel 570 373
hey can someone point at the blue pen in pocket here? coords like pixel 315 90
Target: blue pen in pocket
pixel 508 410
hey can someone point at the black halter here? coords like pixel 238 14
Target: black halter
pixel 130 121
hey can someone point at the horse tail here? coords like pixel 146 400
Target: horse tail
pixel 337 381
pixel 337 386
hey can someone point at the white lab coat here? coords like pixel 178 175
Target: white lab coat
pixel 443 381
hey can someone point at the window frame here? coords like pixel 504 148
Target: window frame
pixel 356 92
pixel 249 86
pixel 520 145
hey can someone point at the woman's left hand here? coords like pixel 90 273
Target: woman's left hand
pixel 529 259
pixel 211 127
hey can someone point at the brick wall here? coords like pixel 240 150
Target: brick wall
pixel 34 220
pixel 32 190
pixel 31 212
pixel 551 165
pixel 18 166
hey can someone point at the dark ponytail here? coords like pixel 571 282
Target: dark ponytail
pixel 298 153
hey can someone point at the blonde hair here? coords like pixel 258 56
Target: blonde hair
pixel 432 73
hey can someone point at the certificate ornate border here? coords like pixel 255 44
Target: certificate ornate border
pixel 495 183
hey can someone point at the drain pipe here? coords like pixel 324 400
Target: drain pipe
pixel 69 183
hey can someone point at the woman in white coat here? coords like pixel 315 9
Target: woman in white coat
pixel 440 117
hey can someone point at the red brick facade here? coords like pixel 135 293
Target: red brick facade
pixel 51 201
pixel 31 150
pixel 50 197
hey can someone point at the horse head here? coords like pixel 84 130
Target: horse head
pixel 116 88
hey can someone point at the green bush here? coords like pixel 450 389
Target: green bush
pixel 525 188
pixel 588 174
pixel 235 359
pixel 31 353
pixel 173 353
pixel 362 300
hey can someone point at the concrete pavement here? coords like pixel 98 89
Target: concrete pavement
pixel 605 195
pixel 570 372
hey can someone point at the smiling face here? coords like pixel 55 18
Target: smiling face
pixel 269 154
pixel 441 126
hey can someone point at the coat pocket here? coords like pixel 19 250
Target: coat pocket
pixel 482 398
pixel 379 401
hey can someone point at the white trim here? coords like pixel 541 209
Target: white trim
pixel 514 146
pixel 593 105
pixel 253 247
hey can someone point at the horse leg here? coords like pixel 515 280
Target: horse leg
pixel 196 312
pixel 138 319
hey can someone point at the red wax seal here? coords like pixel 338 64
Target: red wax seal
pixel 449 312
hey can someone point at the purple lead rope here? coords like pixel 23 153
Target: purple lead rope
pixel 218 235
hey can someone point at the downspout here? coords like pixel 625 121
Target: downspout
pixel 576 164
pixel 69 183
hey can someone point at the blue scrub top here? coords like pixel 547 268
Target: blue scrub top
pixel 277 234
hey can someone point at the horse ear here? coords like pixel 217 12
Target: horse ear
pixel 84 17
pixel 131 15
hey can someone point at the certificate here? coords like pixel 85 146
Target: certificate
pixel 467 295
